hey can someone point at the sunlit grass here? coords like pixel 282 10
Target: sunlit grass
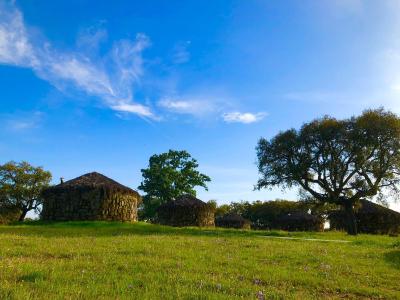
pixel 100 260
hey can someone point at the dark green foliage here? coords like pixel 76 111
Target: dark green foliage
pixel 222 210
pixel 232 220
pixel 168 176
pixel 186 210
pixel 279 214
pixel 283 214
pixel 21 185
pixel 335 161
pixel 9 214
pixel 370 217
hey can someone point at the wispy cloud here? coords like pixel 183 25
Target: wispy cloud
pixel 245 118
pixel 15 47
pixel 23 121
pixel 181 53
pixel 192 106
pixel 111 78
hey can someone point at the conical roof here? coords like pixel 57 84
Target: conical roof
pixel 93 180
pixel 368 207
pixel 186 200
pixel 233 217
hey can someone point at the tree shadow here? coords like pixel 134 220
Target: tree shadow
pixel 393 258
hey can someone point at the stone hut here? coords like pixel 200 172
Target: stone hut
pixel 92 196
pixel 232 220
pixel 370 218
pixel 186 210
pixel 301 221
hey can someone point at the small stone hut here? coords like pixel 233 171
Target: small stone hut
pixel 232 220
pixel 301 221
pixel 186 210
pixel 370 217
pixel 92 196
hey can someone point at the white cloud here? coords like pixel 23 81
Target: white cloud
pixel 192 106
pixel 15 47
pixel 134 108
pixel 110 78
pixel 245 118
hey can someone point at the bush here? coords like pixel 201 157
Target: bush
pixel 9 214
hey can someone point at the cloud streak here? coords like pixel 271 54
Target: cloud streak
pixel 23 121
pixel 111 78
pixel 192 106
pixel 245 118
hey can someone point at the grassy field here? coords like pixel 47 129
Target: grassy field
pixel 100 260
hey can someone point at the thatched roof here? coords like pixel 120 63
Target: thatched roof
pixel 232 217
pixel 232 220
pixel 368 207
pixel 92 180
pixel 186 200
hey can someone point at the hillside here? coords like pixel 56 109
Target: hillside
pixel 100 260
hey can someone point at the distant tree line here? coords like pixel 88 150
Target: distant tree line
pixel 333 162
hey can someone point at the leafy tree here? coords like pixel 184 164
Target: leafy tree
pixel 335 161
pixel 222 210
pixel 240 208
pixel 168 176
pixel 21 185
pixel 213 204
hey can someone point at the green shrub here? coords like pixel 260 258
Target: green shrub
pixel 9 214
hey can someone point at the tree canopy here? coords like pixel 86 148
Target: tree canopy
pixel 168 176
pixel 335 161
pixel 21 185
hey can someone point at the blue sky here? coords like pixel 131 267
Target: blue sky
pixel 100 85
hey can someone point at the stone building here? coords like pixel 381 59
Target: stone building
pixel 232 220
pixel 186 210
pixel 92 196
pixel 370 218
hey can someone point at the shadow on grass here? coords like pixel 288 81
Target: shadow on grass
pixel 31 277
pixel 393 258
pixel 102 228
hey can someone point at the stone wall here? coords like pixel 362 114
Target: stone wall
pixel 89 204
pixel 186 216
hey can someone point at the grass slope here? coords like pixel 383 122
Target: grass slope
pixel 100 260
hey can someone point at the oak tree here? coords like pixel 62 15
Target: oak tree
pixel 21 185
pixel 335 161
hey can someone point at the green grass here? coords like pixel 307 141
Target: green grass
pixel 100 260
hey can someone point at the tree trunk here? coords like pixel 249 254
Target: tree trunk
pixel 22 216
pixel 351 219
